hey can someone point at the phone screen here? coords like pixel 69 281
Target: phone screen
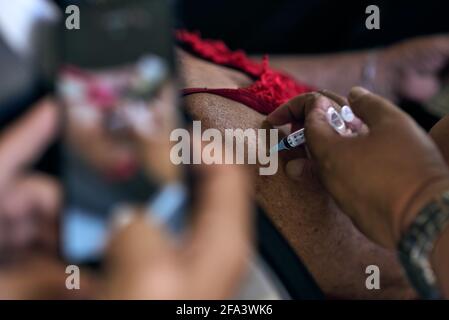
pixel 117 85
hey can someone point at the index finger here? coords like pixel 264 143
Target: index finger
pixel 356 125
pixel 320 136
pixel 23 142
pixel 334 96
pixel 291 111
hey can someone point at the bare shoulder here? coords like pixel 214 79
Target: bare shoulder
pixel 215 111
pixel 200 73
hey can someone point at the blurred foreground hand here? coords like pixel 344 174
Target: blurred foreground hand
pixel 144 262
pixel 29 201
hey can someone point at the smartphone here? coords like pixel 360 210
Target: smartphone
pixel 117 84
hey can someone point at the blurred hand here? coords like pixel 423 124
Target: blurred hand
pixel 29 201
pixel 144 262
pixel 380 178
pixel 412 69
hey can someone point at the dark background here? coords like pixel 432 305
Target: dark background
pixel 310 26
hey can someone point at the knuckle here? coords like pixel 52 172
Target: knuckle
pixel 322 101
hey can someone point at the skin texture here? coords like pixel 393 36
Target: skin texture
pixel 334 251
pixel 439 134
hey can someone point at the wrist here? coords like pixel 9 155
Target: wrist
pixel 440 261
pixel 423 196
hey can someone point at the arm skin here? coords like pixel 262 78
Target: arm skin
pixel 333 250
pixel 440 257
pixel 341 71
pixel 410 69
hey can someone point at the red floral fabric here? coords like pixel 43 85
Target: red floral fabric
pixel 270 89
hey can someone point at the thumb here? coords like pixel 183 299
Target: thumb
pixel 370 107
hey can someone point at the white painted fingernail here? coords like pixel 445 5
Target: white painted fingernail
pixel 347 114
pixel 335 120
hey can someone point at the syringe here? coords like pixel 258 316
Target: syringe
pixel 336 120
pixel 291 141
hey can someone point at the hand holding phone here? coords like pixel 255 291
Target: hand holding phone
pixel 117 83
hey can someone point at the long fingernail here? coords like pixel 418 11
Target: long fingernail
pixel 335 120
pixel 356 92
pixel 294 168
pixel 347 114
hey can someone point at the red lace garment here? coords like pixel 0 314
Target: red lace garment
pixel 270 89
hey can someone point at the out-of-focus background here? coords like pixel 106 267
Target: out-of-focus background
pixel 315 26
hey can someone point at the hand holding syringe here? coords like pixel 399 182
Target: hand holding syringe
pixel 383 178
pixel 339 121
